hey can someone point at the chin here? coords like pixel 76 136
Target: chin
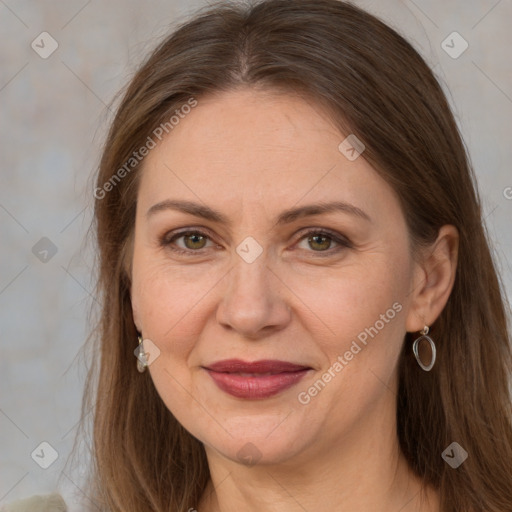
pixel 258 440
pixel 258 450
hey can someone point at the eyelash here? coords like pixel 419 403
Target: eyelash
pixel 166 241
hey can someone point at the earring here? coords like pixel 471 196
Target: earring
pixel 141 356
pixel 424 333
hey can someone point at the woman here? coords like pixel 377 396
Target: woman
pixel 291 244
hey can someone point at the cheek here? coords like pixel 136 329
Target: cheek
pixel 347 302
pixel 363 307
pixel 334 304
pixel 364 311
pixel 168 302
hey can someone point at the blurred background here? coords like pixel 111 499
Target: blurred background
pixel 62 64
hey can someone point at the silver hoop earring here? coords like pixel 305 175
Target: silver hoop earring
pixel 424 333
pixel 141 356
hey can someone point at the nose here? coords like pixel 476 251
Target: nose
pixel 252 305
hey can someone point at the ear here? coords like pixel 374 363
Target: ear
pixel 433 279
pixel 135 312
pixel 134 302
pixel 127 269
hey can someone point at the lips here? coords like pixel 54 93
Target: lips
pixel 257 367
pixel 255 380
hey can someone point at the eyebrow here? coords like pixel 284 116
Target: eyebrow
pixel 285 217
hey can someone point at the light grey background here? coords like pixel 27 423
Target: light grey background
pixel 54 117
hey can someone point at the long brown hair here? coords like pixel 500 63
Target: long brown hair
pixel 376 86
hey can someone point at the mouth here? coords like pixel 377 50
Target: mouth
pixel 255 380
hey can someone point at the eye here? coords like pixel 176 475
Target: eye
pixel 320 240
pixel 194 241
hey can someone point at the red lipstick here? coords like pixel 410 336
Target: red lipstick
pixel 255 380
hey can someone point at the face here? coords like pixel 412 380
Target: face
pixel 326 291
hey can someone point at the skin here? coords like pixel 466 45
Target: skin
pixel 252 154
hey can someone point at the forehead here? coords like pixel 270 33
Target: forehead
pixel 253 148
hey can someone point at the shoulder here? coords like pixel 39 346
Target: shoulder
pixel 46 503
